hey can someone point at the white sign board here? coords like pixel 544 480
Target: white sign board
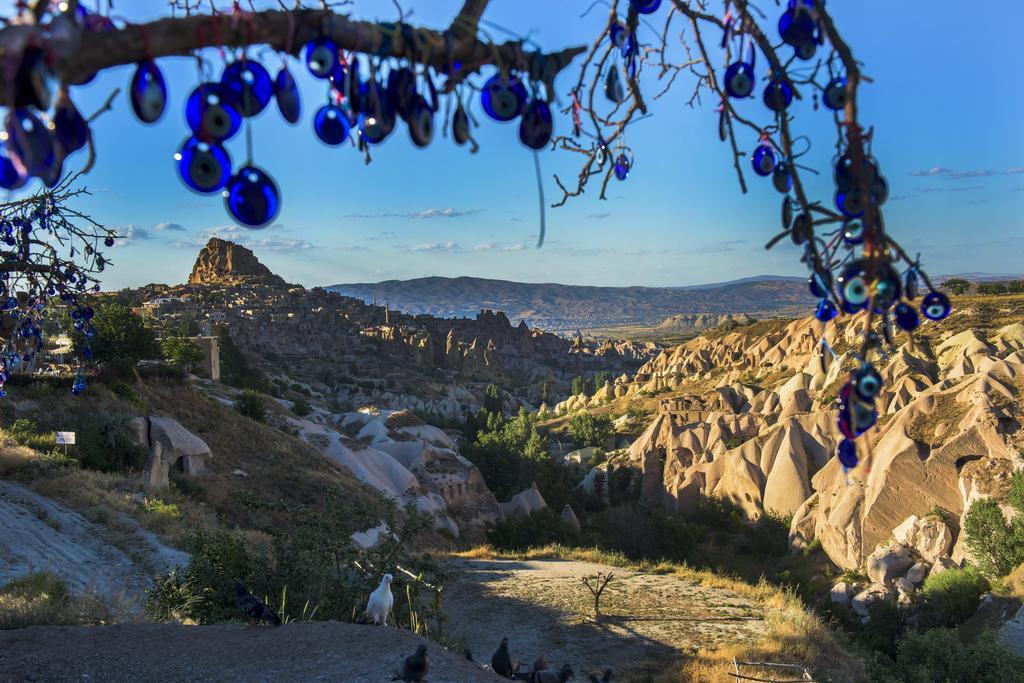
pixel 66 438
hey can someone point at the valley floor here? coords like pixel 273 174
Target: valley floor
pixel 544 608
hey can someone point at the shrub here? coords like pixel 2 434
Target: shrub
pixel 951 597
pixel 590 430
pixel 250 403
pixel 106 443
pixel 27 433
pixel 35 599
pixel 997 546
pixel 940 655
pixel 301 408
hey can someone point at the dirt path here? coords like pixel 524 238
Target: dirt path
pixel 544 609
pixel 39 534
pixel 316 651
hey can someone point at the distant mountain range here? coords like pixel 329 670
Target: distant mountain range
pixel 565 307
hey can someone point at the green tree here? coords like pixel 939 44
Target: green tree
pixel 492 399
pixel 590 430
pixel 181 352
pixel 234 368
pixel 250 403
pixel 120 335
pixel 581 385
pixel 957 285
pixel 301 408
pixel 997 545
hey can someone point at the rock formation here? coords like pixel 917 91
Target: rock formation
pixel 764 437
pixel 223 262
pixel 170 446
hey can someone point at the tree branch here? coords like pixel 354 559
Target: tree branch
pixel 99 50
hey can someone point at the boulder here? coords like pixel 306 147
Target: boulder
pixel 941 565
pixel 171 445
pixel 928 537
pixel 889 562
pixel 523 503
pixel 916 574
pixel 861 602
pixel 840 594
pixel 569 517
pixel 1011 635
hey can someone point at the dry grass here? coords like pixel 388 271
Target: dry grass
pixel 794 633
pixel 15 459
pixel 42 599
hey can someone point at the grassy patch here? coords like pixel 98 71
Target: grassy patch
pixel 794 633
pixel 43 599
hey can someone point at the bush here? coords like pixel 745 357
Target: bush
pixel 35 599
pixel 951 597
pixel 590 430
pixel 27 433
pixel 997 546
pixel 939 655
pixel 301 408
pixel 106 443
pixel 250 403
pixel 541 527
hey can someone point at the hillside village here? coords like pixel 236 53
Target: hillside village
pixel 342 348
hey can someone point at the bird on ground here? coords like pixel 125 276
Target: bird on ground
pixel 415 667
pixel 252 608
pixel 501 661
pixel 381 601
pixel 606 678
pixel 469 655
pixel 546 675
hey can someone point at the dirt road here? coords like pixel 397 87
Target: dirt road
pixel 315 651
pixel 544 609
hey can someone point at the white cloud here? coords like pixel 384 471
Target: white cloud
pixel 167 225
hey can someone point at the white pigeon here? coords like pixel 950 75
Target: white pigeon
pixel 381 601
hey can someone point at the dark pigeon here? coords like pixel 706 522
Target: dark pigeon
pixel 549 676
pixel 469 655
pixel 252 608
pixel 415 667
pixel 501 661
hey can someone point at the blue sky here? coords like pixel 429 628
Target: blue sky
pixel 946 103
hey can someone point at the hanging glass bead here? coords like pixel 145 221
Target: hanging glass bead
pixel 935 306
pixel 321 57
pixel 286 92
pixel 739 80
pixel 252 197
pixel 148 92
pixel 330 125
pixel 906 317
pixel 249 84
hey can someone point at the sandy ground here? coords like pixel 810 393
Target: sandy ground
pixel 39 534
pixel 544 609
pixel 313 651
